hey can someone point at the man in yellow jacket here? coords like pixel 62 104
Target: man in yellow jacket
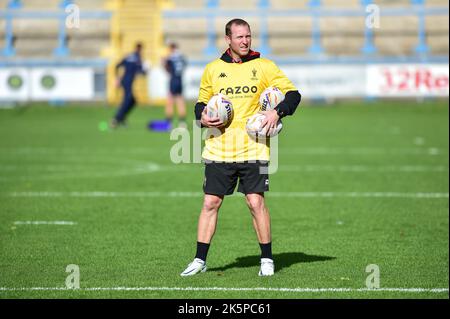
pixel 242 75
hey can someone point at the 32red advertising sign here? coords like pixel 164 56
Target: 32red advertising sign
pixel 408 80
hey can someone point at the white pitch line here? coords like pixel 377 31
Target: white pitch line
pixel 364 168
pixel 431 151
pixel 97 194
pixel 153 167
pixel 41 222
pixel 368 150
pixel 358 194
pixel 312 290
pixel 85 173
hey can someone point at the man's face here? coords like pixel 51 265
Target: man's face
pixel 240 40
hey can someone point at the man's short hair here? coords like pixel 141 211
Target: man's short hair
pixel 139 46
pixel 236 22
pixel 173 46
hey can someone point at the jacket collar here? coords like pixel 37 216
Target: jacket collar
pixel 226 56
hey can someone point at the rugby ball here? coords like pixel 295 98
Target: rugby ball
pixel 220 106
pixel 254 129
pixel 270 98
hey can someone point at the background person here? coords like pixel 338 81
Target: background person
pixel 175 65
pixel 132 65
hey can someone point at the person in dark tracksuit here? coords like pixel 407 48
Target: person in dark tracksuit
pixel 175 64
pixel 132 65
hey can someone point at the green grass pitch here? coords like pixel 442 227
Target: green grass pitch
pixel 358 184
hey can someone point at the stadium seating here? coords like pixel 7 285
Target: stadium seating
pixel 290 35
pixel 37 36
pixel 291 29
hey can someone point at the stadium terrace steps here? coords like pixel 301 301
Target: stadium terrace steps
pixel 290 36
pixel 91 29
pixel 439 44
pixel 405 3
pixel 287 26
pixel 52 4
pixel 289 4
pixel 238 4
pixel 87 47
pixel 193 46
pixel 276 4
pixel 437 24
pixel 41 5
pixel 396 45
pixel 177 27
pixel 334 44
pixel 39 37
pixel 26 28
pixel 90 4
pixel 29 38
pixel 436 3
pixel 36 47
pixel 341 3
pixel 342 25
pixel 32 28
pixel 134 21
pixel 398 24
pixel 188 4
pixel 286 45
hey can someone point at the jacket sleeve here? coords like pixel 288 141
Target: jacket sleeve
pixel 119 65
pixel 289 104
pixel 199 107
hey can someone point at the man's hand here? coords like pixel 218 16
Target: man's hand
pixel 270 121
pixel 210 121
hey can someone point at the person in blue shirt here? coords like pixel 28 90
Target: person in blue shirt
pixel 132 65
pixel 175 65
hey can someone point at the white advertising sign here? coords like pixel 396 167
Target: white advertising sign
pixel 159 82
pixel 192 78
pixel 14 84
pixel 312 81
pixel 62 83
pixel 407 80
pixel 328 81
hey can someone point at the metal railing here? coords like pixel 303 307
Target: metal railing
pixel 317 11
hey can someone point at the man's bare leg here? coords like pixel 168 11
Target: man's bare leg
pixel 181 110
pixel 208 218
pixel 261 223
pixel 169 107
pixel 261 217
pixel 206 228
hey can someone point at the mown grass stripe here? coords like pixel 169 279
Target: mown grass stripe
pixel 313 290
pixel 200 194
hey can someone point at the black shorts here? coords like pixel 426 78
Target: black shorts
pixel 221 178
pixel 176 86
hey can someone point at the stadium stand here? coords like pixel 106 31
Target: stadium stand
pixel 293 30
pixel 290 32
pixel 288 35
pixel 36 31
